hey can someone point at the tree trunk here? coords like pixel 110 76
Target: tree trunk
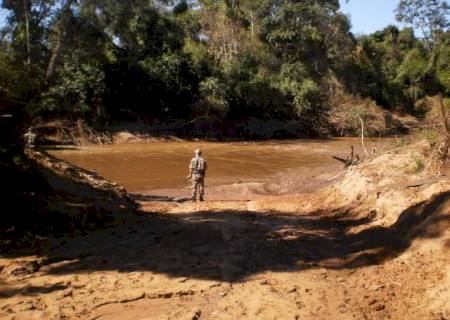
pixel 26 10
pixel 55 56
pixel 60 33
pixel 252 24
pixel 427 39
pixel 443 113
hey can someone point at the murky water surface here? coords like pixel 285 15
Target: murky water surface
pixel 164 165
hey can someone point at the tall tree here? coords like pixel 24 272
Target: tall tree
pixel 431 17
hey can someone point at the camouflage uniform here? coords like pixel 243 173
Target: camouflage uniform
pixel 197 173
pixel 30 139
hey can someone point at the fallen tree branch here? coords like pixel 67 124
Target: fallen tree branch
pixel 351 160
pixel 337 176
pixel 340 159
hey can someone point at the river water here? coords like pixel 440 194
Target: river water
pixel 164 165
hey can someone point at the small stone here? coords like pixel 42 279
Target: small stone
pixel 195 315
pixel 185 293
pixel 445 315
pixel 65 294
pixel 343 308
pixel 380 307
pixel 28 269
pixel 78 285
pixel 377 287
pixel 27 306
pixel 215 284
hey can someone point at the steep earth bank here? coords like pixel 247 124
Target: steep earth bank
pixel 60 198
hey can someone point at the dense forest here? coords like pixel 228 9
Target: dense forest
pixel 223 63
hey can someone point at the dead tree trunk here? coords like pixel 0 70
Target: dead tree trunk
pixel 362 137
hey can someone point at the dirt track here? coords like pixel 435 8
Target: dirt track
pixel 238 260
pixel 288 257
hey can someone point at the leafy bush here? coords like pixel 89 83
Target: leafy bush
pixel 213 97
pixel 76 92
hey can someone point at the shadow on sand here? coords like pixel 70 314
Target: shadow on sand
pixel 232 246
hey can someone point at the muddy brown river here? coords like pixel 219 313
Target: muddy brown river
pixel 143 167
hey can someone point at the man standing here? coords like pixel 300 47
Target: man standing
pixel 197 170
pixel 30 138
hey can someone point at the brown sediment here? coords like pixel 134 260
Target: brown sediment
pixel 146 167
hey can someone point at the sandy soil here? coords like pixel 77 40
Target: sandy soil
pixel 372 246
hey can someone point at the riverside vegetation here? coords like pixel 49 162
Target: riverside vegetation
pixel 212 67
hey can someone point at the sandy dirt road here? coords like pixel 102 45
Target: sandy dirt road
pixel 232 260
